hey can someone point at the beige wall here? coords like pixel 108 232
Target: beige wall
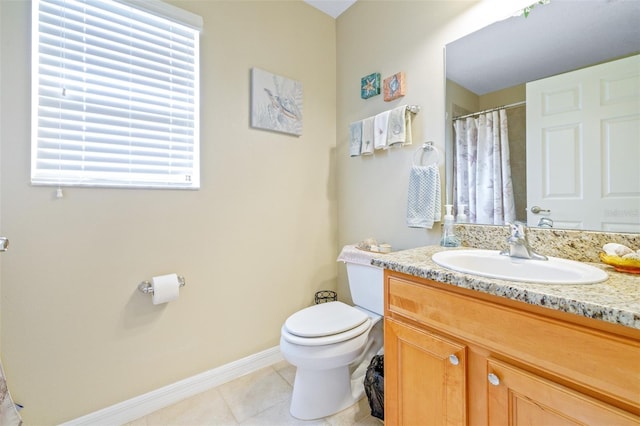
pixel 507 96
pixel 254 243
pixel 388 37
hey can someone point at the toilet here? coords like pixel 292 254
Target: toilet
pixel 331 344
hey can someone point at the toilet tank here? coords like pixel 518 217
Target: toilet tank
pixel 366 282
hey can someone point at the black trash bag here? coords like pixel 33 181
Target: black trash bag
pixel 374 386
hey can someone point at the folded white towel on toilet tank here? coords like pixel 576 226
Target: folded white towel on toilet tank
pixel 352 254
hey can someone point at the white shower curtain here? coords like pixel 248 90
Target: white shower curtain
pixel 482 168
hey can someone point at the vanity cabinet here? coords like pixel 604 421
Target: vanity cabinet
pixel 455 356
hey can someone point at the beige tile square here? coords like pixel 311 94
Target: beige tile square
pixel 281 364
pixel 206 408
pixel 138 422
pixel 255 392
pixel 287 371
pixel 279 415
pixel 358 413
pixel 369 421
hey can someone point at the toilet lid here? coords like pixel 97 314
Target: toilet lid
pixel 326 340
pixel 325 319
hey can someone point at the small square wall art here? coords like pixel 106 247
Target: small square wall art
pixel 394 87
pixel 370 85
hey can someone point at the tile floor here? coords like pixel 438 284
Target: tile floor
pixel 259 398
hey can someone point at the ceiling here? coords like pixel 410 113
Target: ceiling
pixel 567 34
pixel 331 7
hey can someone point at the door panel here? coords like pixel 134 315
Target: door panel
pixel 583 147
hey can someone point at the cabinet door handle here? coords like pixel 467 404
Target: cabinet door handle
pixel 454 359
pixel 493 379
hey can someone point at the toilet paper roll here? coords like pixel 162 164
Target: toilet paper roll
pixel 165 288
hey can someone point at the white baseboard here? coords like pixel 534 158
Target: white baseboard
pixel 142 405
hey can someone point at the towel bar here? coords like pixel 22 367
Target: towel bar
pixel 411 108
pixel 147 288
pixel 427 146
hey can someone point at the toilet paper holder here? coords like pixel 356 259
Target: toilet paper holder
pixel 147 288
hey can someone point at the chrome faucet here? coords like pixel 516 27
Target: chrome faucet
pixel 519 243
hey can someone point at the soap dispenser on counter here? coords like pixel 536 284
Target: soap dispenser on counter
pixel 449 238
pixel 462 216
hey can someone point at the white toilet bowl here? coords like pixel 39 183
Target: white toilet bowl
pixel 331 344
pixel 327 343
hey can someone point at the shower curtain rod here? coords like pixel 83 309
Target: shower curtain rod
pixel 513 105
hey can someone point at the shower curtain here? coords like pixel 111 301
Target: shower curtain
pixel 482 169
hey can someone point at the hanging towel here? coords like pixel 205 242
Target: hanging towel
pixel 424 200
pixel 367 136
pixel 355 138
pixel 399 128
pixel 380 126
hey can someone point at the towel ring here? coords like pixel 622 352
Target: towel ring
pixel 426 147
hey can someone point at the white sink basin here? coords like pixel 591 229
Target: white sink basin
pixel 490 263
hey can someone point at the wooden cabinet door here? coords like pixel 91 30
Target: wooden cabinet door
pixel 518 397
pixel 425 378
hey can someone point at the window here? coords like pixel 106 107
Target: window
pixel 115 94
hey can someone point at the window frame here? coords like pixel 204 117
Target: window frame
pixel 150 158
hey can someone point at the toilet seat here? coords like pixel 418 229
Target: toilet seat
pixel 326 340
pixel 325 324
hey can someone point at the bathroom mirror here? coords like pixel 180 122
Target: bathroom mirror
pixel 494 64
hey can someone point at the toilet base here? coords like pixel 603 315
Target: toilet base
pixel 321 393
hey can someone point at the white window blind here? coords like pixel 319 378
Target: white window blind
pixel 115 95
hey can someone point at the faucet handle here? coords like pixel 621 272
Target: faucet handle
pixel 545 221
pixel 518 229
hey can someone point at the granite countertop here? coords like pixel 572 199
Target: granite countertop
pixel 616 300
